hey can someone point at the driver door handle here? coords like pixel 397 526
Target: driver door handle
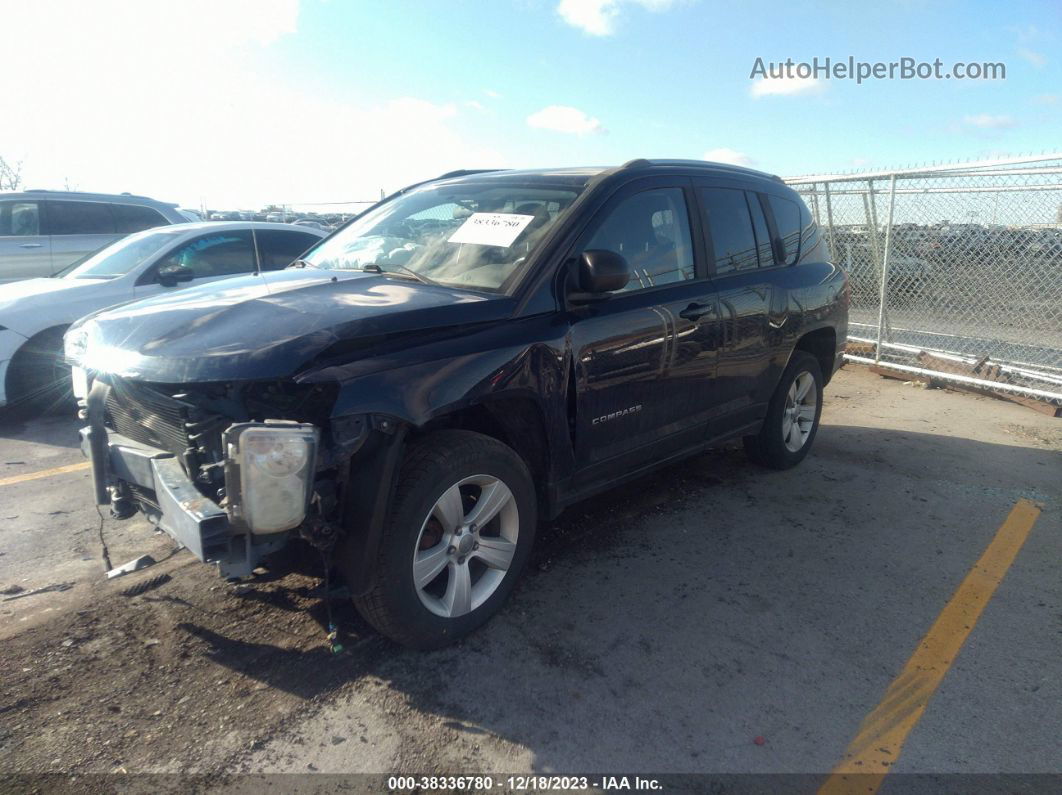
pixel 697 311
pixel 30 245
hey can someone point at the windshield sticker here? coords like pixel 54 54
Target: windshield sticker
pixel 491 229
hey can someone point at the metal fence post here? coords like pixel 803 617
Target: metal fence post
pixel 829 221
pixel 871 210
pixel 883 296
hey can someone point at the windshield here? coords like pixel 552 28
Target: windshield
pixel 122 256
pixel 463 235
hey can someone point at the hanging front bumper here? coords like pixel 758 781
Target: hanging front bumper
pixel 169 499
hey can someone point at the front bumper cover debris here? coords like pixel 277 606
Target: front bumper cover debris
pixel 179 509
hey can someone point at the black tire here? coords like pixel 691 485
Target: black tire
pixel 432 466
pixel 768 447
pixel 38 382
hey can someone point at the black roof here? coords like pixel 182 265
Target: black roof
pixel 705 165
pixel 582 175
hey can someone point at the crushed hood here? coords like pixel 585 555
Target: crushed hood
pixel 270 325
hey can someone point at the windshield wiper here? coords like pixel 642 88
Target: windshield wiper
pixel 374 268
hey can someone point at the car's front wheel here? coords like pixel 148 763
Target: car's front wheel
pixel 460 530
pixel 792 416
pixel 38 381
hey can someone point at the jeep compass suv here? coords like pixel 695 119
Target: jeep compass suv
pixel 467 357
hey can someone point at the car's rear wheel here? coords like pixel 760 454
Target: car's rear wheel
pixel 38 381
pixel 792 419
pixel 459 532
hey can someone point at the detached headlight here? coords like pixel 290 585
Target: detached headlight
pixel 269 472
pixel 75 345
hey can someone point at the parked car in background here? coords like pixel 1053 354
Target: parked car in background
pixel 43 231
pixel 34 313
pixel 311 223
pixel 466 356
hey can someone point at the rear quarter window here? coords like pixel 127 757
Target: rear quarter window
pixel 787 220
pixel 133 218
pixel 809 233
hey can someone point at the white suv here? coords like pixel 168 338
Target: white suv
pixel 43 231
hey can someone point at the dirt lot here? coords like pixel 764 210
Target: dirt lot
pixel 660 628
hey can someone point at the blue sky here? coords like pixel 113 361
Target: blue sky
pixel 243 103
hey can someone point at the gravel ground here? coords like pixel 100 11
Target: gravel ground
pixel 660 627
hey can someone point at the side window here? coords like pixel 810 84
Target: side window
pixel 218 254
pixel 730 226
pixel 277 249
pixel 132 218
pixel 19 219
pixel 80 218
pixel 787 219
pixel 809 232
pixel 651 230
pixel 763 237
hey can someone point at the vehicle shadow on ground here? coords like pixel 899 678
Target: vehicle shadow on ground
pixel 306 673
pixel 653 608
pixel 58 430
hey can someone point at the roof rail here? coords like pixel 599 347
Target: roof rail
pixel 95 193
pixel 464 172
pixel 706 164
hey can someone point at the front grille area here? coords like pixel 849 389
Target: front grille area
pixel 149 417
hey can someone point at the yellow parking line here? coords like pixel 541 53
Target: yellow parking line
pixel 44 473
pixel 881 736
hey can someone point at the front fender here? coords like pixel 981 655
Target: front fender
pixel 419 387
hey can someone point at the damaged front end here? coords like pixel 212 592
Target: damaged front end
pixel 230 471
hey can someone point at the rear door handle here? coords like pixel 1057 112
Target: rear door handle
pixel 31 245
pixel 697 311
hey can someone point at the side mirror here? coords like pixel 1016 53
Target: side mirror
pixel 598 273
pixel 174 275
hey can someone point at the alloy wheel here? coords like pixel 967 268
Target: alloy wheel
pixel 466 546
pixel 798 416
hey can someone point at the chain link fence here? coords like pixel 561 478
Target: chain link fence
pixel 955 271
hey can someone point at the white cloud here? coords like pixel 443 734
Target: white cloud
pixel 1037 59
pixel 565 119
pixel 987 121
pixel 192 104
pixel 725 154
pixel 491 93
pixel 1046 99
pixel 598 17
pixel 785 86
